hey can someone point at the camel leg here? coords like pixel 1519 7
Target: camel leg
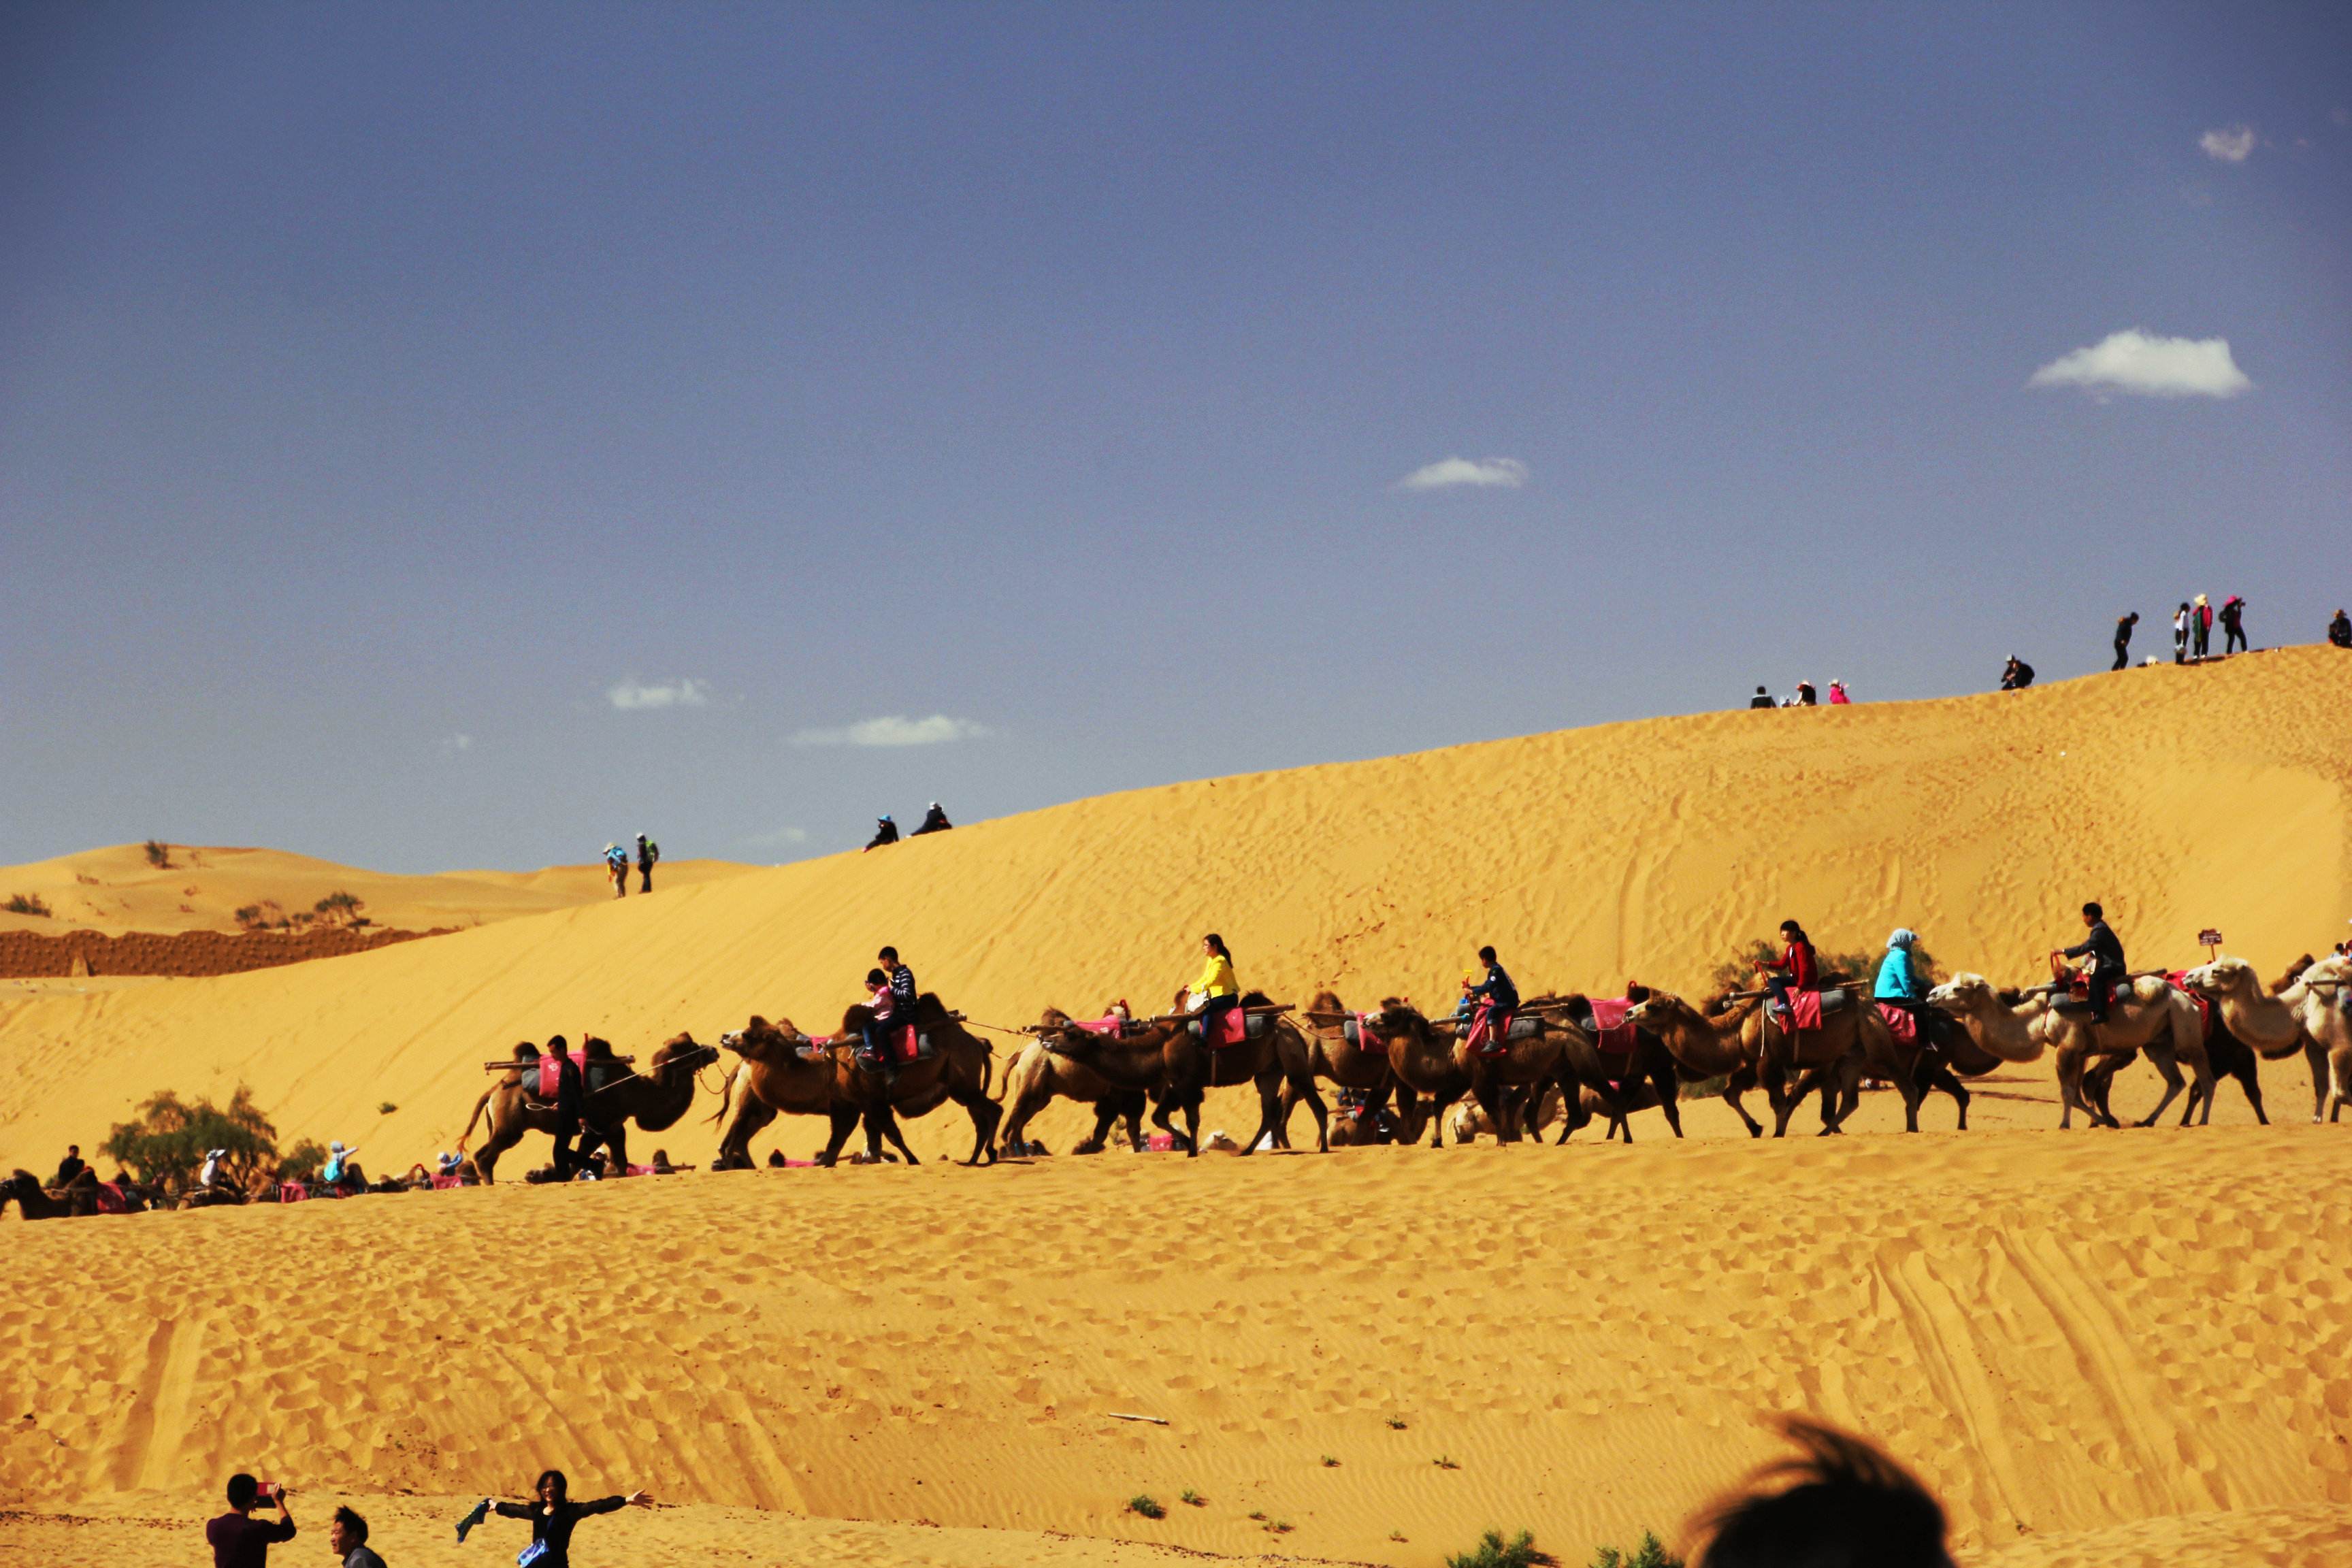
pixel 844 1120
pixel 1438 1106
pixel 1737 1085
pixel 1784 1105
pixel 881 1121
pixel 2160 1058
pixel 986 1116
pixel 504 1135
pixel 1300 1085
pixel 2322 1079
pixel 1668 1088
pixel 2249 1076
pixel 1934 1074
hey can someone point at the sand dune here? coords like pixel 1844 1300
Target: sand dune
pixel 117 889
pixel 2109 1347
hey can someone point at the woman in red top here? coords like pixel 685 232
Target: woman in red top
pixel 1798 969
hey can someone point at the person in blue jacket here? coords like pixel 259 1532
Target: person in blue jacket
pixel 1900 984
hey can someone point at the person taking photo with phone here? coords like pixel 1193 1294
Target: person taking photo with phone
pixel 237 1539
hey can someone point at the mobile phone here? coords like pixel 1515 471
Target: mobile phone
pixel 266 1492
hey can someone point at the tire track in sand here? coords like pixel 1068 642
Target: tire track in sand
pixel 1955 1362
pixel 144 1450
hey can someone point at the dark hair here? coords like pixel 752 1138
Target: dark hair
pixel 1218 943
pixel 557 1045
pixel 353 1526
pixel 1792 927
pixel 1846 1502
pixel 242 1489
pixel 563 1487
pixel 875 977
pixel 889 954
pixel 1485 955
pixel 2093 909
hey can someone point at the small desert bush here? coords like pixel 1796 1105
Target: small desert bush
pixel 1493 1552
pixel 341 908
pixel 25 904
pixel 1651 1553
pixel 302 1163
pixel 1148 1506
pixel 159 854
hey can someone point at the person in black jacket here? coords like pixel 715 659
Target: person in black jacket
pixel 2016 674
pixel 2105 952
pixel 885 832
pixel 2233 625
pixel 2339 630
pixel 69 1167
pixel 553 1517
pixel 934 821
pixel 1501 998
pixel 2123 638
pixel 1762 699
pixel 570 1099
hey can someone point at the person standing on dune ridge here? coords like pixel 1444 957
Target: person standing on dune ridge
pixel 2123 638
pixel 2200 625
pixel 2180 634
pixel 553 1517
pixel 2233 625
pixel 648 857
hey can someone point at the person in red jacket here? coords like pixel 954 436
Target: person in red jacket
pixel 1799 969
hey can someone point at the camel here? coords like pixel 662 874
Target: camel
pixel 2301 1013
pixel 776 1077
pixel 2149 1015
pixel 958 1068
pixel 1344 1056
pixel 1648 1067
pixel 1504 1082
pixel 654 1099
pixel 1166 1058
pixel 32 1200
pixel 1423 1066
pixel 2322 995
pixel 1735 1046
pixel 1113 1081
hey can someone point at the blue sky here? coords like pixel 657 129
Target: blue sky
pixel 439 436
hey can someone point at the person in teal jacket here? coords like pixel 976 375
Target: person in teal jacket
pixel 1900 984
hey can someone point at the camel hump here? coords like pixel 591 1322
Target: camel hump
pixel 1256 999
pixel 1327 1002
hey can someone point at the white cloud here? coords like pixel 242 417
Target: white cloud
pixel 1508 473
pixel 633 693
pixel 2231 144
pixel 778 840
pixel 457 743
pixel 896 731
pixel 2139 362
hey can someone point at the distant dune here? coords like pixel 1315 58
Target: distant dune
pixel 2100 1347
pixel 117 889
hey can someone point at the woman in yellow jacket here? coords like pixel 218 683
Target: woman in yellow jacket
pixel 1216 992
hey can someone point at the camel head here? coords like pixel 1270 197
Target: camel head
pixel 1051 1019
pixel 681 1046
pixel 1965 994
pixel 2294 973
pixel 1663 1009
pixel 761 1041
pixel 2221 976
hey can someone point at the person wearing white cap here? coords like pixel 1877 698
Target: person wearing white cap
pixel 934 821
pixel 210 1172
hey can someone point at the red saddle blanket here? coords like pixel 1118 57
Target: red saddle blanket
pixel 1804 1012
pixel 2204 1003
pixel 1611 1033
pixel 1233 1029
pixel 549 1072
pixel 448 1183
pixel 906 1044
pixel 111 1199
pixel 1485 1039
pixel 1900 1024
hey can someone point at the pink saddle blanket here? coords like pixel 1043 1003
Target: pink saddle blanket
pixel 292 1192
pixel 1233 1029
pixel 111 1199
pixel 1612 1033
pixel 1804 1012
pixel 1109 1027
pixel 1900 1024
pixel 549 1081
pixel 448 1183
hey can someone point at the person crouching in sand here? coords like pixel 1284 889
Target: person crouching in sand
pixel 554 1515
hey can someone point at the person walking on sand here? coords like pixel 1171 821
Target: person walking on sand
pixel 2180 634
pixel 1216 992
pixel 2200 627
pixel 237 1539
pixel 570 1101
pixel 2233 625
pixel 648 857
pixel 616 869
pixel 553 1517
pixel 2123 638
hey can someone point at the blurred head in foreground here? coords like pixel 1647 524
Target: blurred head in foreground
pixel 1837 1503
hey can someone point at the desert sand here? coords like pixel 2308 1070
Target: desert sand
pixel 2099 1347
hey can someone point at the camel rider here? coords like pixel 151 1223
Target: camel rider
pixel 874 1054
pixel 902 984
pixel 1216 992
pixel 1900 984
pixel 2106 952
pixel 1799 969
pixel 1497 999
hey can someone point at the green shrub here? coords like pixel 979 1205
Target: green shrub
pixel 386 1109
pixel 1493 1552
pixel 339 909
pixel 167 1138
pixel 1192 1498
pixel 159 854
pixel 1651 1553
pixel 1148 1507
pixel 25 904
pixel 302 1163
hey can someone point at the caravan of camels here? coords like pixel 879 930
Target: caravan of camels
pixel 1399 1072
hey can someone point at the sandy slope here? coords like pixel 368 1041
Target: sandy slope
pixel 115 889
pixel 2071 1336
pixel 2185 798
